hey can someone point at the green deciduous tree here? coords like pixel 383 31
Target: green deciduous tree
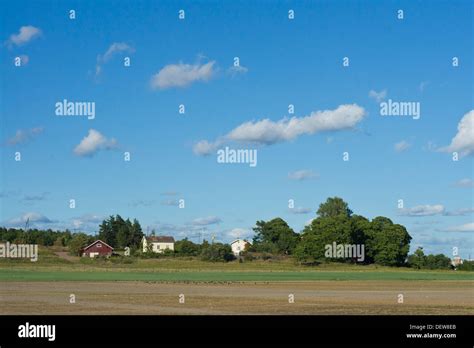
pixel 387 243
pixel 185 247
pixel 217 252
pixel 384 242
pixel 321 232
pixel 333 206
pixel 274 236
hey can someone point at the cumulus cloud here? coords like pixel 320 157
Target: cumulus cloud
pixel 402 146
pixel 463 141
pixel 24 135
pixel 182 75
pixel 25 34
pixel 114 49
pixel 204 221
pixel 466 182
pixel 378 96
pixel 94 142
pixel 423 210
pixel 205 148
pixel 303 174
pixel 469 227
pixel 268 132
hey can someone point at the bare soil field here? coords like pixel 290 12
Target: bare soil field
pixel 310 297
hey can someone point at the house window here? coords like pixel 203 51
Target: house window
pixel 99 245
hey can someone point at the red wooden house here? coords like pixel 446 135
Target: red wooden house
pixel 98 248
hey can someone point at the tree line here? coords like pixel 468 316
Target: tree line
pixel 385 243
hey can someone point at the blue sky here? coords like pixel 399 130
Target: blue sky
pixel 282 62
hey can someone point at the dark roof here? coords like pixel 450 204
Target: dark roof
pixel 237 240
pixel 97 241
pixel 160 239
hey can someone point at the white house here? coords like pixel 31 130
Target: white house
pixel 238 246
pixel 159 243
pixel 456 261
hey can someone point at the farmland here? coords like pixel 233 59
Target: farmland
pixel 153 286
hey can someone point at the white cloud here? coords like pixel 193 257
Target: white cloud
pixel 238 233
pixel 378 96
pixel 115 48
pixel 25 35
pixel 423 210
pixel 89 221
pixel 303 174
pixel 463 141
pixel 466 182
pixel 210 220
pixel 94 142
pixel 469 227
pixel 402 146
pixel 31 217
pixel 204 148
pixel 268 132
pixel 24 135
pixel 182 75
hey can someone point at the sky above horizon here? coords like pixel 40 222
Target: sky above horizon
pixel 282 61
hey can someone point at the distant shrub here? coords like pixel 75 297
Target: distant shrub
pixel 419 260
pixel 186 248
pixel 122 260
pixel 466 266
pixel 265 256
